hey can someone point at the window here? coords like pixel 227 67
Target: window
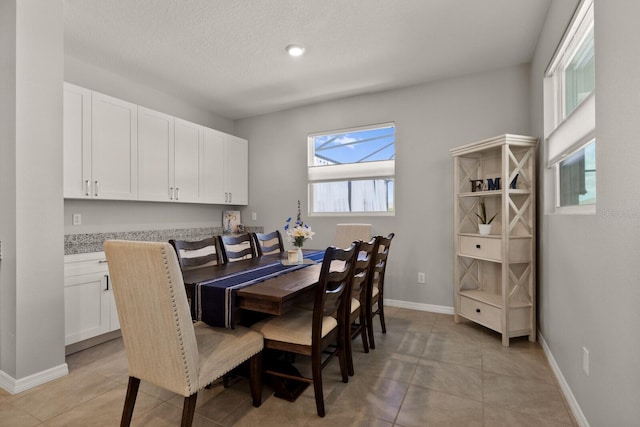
pixel 351 171
pixel 570 115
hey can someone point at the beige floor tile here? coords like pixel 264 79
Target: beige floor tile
pixel 442 348
pixel 374 397
pixel 522 359
pixel 12 416
pixel 410 343
pixel 49 400
pixel 499 417
pixel 104 410
pixel 424 407
pixel 449 378
pixel 525 395
pixel 393 366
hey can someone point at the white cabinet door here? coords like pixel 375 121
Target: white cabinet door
pixel 212 167
pixel 77 141
pixel 155 156
pixel 237 170
pixel 114 155
pixel 188 139
pixel 86 307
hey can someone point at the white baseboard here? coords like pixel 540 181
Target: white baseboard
pixel 442 309
pixel 14 386
pixel 564 386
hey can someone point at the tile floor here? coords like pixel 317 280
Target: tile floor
pixel 426 371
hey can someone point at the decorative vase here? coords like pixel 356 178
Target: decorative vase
pixel 484 229
pixel 300 256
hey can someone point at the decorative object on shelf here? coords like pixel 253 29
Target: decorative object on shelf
pixel 297 233
pixel 476 185
pixel 230 221
pixel 485 225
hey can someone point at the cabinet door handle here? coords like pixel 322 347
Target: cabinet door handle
pixel 230 196
pixel 102 261
pixel 177 193
pixel 477 246
pixel 170 193
pixel 477 310
pixel 96 185
pixel 226 197
pixel 87 191
pixel 106 276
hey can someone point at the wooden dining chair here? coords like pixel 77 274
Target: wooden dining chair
pixel 268 243
pixel 199 253
pixel 235 248
pixel 163 345
pixel 362 281
pixel 311 333
pixel 376 290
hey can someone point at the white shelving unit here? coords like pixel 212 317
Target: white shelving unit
pixel 495 282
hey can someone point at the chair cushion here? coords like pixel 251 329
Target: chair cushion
pixel 293 327
pixel 220 349
pixel 355 305
pixel 375 291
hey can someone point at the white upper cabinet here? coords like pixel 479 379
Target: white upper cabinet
pixel 237 170
pixel 187 165
pixel 225 168
pixel 114 148
pixel 77 142
pixel 213 186
pixel 155 155
pixel 117 150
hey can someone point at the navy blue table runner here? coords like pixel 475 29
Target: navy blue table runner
pixel 213 301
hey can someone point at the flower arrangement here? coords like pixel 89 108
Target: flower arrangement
pixel 297 232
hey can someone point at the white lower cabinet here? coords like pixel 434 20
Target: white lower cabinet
pixel 89 306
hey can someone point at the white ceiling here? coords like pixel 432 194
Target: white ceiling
pixel 228 56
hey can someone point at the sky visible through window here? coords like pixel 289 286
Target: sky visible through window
pixel 355 147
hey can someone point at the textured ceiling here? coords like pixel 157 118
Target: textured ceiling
pixel 228 56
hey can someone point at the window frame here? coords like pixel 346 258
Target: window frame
pixel 374 170
pixel 568 134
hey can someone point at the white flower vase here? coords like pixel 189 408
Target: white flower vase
pixel 484 229
pixel 300 257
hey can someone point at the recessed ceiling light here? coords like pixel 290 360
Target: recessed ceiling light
pixel 295 50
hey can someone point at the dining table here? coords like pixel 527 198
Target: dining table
pixel 268 284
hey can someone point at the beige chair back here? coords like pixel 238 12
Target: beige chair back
pixel 156 324
pixel 348 233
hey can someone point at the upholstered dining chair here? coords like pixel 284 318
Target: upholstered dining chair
pixel 376 290
pixel 362 281
pixel 311 333
pixel 268 243
pixel 163 346
pixel 347 233
pixel 239 247
pixel 199 253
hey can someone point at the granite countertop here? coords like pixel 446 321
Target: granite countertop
pixel 92 242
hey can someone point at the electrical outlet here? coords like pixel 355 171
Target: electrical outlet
pixel 77 219
pixel 585 360
pixel 421 278
pixel 254 216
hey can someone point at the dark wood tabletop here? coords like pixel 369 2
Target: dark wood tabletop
pixel 275 295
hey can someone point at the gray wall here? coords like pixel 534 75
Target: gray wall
pixel 108 216
pixel 430 119
pixel 31 270
pixel 588 282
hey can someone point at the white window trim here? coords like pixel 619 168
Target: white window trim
pixel 354 171
pixel 565 136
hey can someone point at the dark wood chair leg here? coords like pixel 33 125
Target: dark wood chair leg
pixel 363 333
pixel 255 379
pixel 369 315
pixel 381 314
pixel 130 401
pixel 188 409
pixel 316 368
pixel 347 347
